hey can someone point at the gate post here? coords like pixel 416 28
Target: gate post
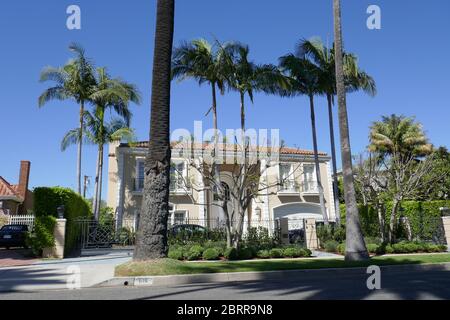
pixel 312 242
pixel 446 224
pixel 284 230
pixel 57 251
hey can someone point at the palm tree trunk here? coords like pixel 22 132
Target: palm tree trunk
pixel 80 148
pixel 355 245
pixel 94 202
pixel 334 160
pixel 100 181
pixel 316 161
pixel 151 242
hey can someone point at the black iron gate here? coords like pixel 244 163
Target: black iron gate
pixel 102 235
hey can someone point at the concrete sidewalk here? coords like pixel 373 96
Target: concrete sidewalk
pixel 55 274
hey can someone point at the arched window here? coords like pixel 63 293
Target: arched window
pixel 226 192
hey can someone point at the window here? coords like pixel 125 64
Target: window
pixel 287 177
pixel 178 176
pixel 140 175
pixel 180 217
pixel 226 191
pixel 309 178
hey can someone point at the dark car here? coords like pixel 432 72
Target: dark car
pixel 186 229
pixel 13 236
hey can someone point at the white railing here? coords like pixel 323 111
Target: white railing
pixel 22 220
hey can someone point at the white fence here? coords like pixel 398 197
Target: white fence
pixel 22 220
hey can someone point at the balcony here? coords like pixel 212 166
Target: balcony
pixel 289 188
pixel 177 187
pixel 310 188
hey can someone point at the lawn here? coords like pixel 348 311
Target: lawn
pixel 173 267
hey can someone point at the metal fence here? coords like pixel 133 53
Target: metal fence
pixel 22 220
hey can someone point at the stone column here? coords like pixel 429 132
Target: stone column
pixel 446 224
pixel 284 230
pixel 57 252
pixel 312 243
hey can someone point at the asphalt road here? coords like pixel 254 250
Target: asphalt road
pixel 396 284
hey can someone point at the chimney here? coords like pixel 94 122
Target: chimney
pixel 24 178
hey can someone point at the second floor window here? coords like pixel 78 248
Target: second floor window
pixel 178 176
pixel 287 177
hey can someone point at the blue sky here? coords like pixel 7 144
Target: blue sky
pixel 408 58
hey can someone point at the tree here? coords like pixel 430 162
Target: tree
pixel 355 80
pixel 355 245
pixel 402 145
pixel 109 94
pixel 73 81
pixel 303 77
pixel 99 133
pixel 151 242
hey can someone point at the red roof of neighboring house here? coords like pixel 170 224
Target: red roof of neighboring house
pixel 230 147
pixel 9 191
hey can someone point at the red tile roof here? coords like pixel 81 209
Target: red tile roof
pixel 9 191
pixel 230 147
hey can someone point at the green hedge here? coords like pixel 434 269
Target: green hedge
pixel 46 202
pixel 43 234
pixel 424 218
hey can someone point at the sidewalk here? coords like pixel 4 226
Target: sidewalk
pixel 54 274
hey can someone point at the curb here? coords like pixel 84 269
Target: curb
pixel 174 280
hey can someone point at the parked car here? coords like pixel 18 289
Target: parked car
pixel 186 229
pixel 13 236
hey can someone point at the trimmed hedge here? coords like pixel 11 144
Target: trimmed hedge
pixel 211 254
pixel 46 202
pixel 43 235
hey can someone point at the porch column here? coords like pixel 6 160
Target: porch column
pixel 446 224
pixel 121 189
pixel 312 242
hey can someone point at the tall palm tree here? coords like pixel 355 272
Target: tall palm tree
pixel 152 233
pixel 109 94
pixel 355 246
pixel 304 77
pixel 98 132
pixel 73 81
pixel 355 80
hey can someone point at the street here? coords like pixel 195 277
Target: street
pixel 396 284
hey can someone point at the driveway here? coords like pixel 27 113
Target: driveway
pixel 15 257
pixel 41 275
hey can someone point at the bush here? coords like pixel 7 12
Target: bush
pixel 3 220
pixel 259 237
pixel 211 254
pixel 42 236
pixel 372 248
pixel 331 246
pixel 46 202
pixel 341 248
pixel 293 253
pixel 195 253
pixel 263 254
pixel 276 253
pixel 220 246
pixel 231 254
pixel 176 254
pixel 372 240
pixel 246 254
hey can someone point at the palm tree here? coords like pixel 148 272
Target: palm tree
pixel 73 81
pixel 112 94
pixel 355 246
pixel 98 132
pixel 152 233
pixel 400 135
pixel 355 79
pixel 304 77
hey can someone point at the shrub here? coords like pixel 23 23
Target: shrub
pixel 372 248
pixel 372 240
pixel 293 253
pixel 263 254
pixel 276 253
pixel 3 220
pixel 331 246
pixel 246 254
pixel 259 237
pixel 42 236
pixel 46 202
pixel 176 254
pixel 195 253
pixel 231 254
pixel 211 254
pixel 341 248
pixel 306 252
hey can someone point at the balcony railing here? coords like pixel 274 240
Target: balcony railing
pixel 289 187
pixel 310 187
pixel 176 186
